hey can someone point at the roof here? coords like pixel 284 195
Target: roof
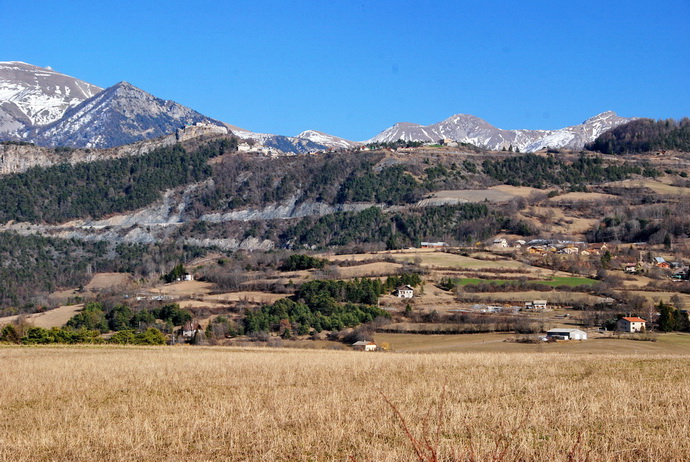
pixel 363 343
pixel 405 287
pixel 555 331
pixel 633 319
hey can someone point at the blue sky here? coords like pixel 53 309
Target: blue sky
pixel 354 68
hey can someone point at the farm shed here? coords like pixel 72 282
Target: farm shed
pixel 566 334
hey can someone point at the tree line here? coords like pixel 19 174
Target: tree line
pixel 320 305
pixel 541 172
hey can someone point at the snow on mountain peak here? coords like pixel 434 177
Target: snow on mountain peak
pixel 38 96
pixel 325 139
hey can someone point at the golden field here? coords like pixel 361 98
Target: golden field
pixel 195 403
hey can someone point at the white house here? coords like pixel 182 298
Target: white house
pixel 566 334
pixel 631 324
pixel 404 291
pixel 190 329
pixel 501 243
pixel 364 345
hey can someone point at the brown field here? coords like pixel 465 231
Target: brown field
pixel 250 296
pixel 185 288
pixel 553 297
pixel 104 281
pixel 656 186
pixel 434 258
pixel 368 269
pixel 502 343
pixel 557 221
pixel 582 196
pixel 47 319
pixel 467 195
pixel 519 191
pixel 163 403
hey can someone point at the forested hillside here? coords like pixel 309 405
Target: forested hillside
pixel 540 172
pixel 645 135
pixel 244 181
pixel 64 192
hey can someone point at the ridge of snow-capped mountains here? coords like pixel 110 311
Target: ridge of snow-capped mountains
pixel 48 108
pixel 118 115
pixel 466 128
pixel 36 96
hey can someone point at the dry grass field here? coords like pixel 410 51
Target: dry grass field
pixel 466 195
pixel 676 343
pixel 115 404
pixel 656 186
pixel 47 319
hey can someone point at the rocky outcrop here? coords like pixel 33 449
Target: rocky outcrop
pixel 17 158
pixel 286 210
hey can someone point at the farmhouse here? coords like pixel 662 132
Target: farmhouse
pixel 404 291
pixel 536 305
pixel 502 243
pixel 631 267
pixel 660 262
pixel 566 334
pixel 631 324
pixel 364 345
pixel 190 329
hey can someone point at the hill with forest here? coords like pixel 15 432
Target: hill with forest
pixel 204 196
pixel 645 135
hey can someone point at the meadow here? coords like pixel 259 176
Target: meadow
pixel 205 403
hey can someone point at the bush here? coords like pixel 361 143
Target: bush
pixel 299 262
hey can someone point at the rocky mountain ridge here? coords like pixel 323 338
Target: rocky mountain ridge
pixel 466 128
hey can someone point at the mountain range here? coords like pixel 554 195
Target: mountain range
pixel 47 108
pixel 473 130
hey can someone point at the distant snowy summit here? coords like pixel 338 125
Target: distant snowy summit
pixel 35 96
pixel 466 128
pixel 330 141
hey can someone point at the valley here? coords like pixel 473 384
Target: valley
pixel 439 292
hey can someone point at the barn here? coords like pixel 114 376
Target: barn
pixel 566 334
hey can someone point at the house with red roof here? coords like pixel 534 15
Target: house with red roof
pixel 631 324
